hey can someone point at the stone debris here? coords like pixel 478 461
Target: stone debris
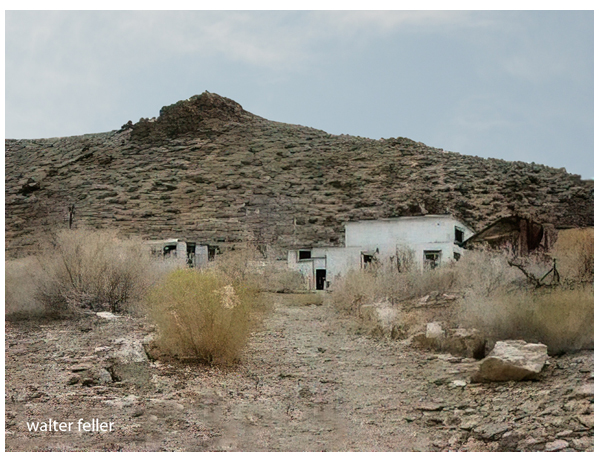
pixel 556 445
pixel 467 343
pixel 585 391
pixel 434 331
pixel 512 360
pixel 107 315
pixel 374 394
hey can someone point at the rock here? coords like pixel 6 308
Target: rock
pixel 468 343
pixel 458 384
pixel 468 425
pixel 531 444
pixel 128 401
pixel 73 379
pixel 586 420
pixel 458 342
pixel 104 376
pixel 385 316
pixel 585 391
pixel 512 360
pixel 429 407
pixel 81 367
pixel 434 330
pixel 556 445
pixel 107 315
pixel 131 351
pixel 491 432
pixel 582 444
pixel 509 440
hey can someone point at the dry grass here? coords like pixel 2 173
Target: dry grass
pixel 206 315
pixel 574 250
pixel 306 299
pixel 561 318
pixel 386 283
pixel 22 278
pixel 86 269
pixel 495 297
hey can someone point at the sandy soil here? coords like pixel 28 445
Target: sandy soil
pixel 308 381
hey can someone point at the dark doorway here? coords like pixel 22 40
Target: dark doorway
pixel 321 277
pixel 191 254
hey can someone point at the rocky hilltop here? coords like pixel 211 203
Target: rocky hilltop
pixel 209 171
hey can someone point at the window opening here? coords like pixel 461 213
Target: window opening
pixel 305 254
pixel 432 258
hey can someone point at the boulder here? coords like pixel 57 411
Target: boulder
pixel 468 343
pixel 434 330
pixel 512 360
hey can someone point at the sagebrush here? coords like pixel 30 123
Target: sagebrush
pixel 90 269
pixel 206 315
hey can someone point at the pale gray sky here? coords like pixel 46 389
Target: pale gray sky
pixel 515 85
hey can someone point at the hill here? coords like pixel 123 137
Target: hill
pixel 209 171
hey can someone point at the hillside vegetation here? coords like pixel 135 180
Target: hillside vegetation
pixel 208 171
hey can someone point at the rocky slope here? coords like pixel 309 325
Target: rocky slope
pixel 209 171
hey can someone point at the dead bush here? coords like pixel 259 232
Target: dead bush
pixel 385 282
pixel 22 278
pixel 561 318
pixel 94 270
pixel 204 314
pixel 282 280
pixel 356 288
pixel 574 251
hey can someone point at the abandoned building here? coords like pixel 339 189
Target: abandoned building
pixel 521 235
pixel 428 241
pixel 193 254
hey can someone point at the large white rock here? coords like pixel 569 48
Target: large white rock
pixel 434 330
pixel 512 360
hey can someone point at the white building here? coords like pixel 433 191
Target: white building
pixel 431 240
pixel 189 253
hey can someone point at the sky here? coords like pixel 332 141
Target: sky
pixel 513 85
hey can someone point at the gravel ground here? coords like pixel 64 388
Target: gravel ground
pixel 308 381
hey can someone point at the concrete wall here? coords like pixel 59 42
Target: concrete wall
pixel 201 255
pixel 433 232
pixel 335 260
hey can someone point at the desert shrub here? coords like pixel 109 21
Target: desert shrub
pixel 574 251
pixel 206 315
pixel 385 282
pixel 282 280
pixel 483 273
pixel 242 264
pixel 93 269
pixel 22 278
pixel 353 290
pixel 561 318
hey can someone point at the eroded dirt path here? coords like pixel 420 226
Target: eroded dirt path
pixel 308 382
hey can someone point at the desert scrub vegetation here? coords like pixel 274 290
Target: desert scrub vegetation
pixel 206 315
pixel 561 318
pixel 574 250
pixel 492 296
pixel 22 278
pixel 386 283
pixel 80 269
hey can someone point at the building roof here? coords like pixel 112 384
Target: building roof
pixel 412 217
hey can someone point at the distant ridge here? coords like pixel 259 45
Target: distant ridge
pixel 209 171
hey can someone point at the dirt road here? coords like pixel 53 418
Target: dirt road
pixel 309 381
